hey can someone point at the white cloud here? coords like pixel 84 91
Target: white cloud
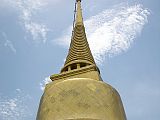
pixel 28 9
pixel 37 31
pixel 44 82
pixel 112 31
pixel 14 108
pixel 8 43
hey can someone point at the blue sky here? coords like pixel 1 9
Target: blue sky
pixel 123 35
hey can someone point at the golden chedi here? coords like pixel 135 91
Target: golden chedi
pixel 78 92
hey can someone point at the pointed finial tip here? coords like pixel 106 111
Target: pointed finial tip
pixel 78 0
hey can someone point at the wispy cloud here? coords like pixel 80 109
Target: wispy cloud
pixel 28 9
pixel 8 43
pixel 44 82
pixel 112 31
pixel 14 108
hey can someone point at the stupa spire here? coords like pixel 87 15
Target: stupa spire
pixel 79 52
pixel 79 18
pixel 78 92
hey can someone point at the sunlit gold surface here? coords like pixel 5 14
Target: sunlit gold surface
pixel 79 51
pixel 81 98
pixel 78 92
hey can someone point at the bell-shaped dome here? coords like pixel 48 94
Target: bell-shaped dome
pixel 81 99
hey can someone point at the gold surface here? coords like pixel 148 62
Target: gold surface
pixel 78 92
pixel 79 51
pixel 80 98
pixel 84 72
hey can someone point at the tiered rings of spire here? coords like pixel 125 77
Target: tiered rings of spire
pixel 79 52
pixel 78 91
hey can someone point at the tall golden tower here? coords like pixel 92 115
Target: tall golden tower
pixel 78 92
